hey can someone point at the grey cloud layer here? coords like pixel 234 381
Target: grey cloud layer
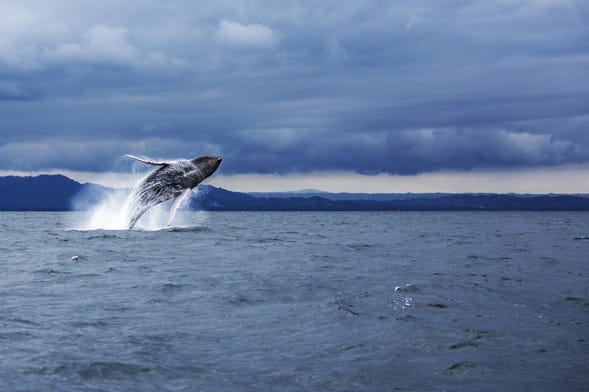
pixel 397 87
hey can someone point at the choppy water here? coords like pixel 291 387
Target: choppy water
pixel 297 302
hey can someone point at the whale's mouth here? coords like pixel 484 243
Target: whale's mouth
pixel 215 162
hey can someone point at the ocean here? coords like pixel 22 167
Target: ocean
pixel 291 301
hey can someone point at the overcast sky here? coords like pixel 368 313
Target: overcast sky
pixel 294 89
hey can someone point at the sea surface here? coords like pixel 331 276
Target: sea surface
pixel 290 301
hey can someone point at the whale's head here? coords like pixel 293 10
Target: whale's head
pixel 203 167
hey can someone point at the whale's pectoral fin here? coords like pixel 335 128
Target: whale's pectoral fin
pixel 177 202
pixel 148 161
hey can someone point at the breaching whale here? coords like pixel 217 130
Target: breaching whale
pixel 173 179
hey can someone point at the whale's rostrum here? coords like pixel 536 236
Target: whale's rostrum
pixel 171 180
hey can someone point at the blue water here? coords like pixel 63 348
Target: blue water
pixel 297 302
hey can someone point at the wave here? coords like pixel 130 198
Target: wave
pixel 185 229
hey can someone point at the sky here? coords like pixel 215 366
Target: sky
pixel 379 96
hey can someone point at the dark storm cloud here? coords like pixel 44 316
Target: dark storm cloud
pixel 401 151
pixel 397 87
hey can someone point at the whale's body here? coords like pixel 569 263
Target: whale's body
pixel 172 180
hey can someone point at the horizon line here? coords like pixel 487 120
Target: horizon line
pixel 569 179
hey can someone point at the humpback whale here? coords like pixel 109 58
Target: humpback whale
pixel 172 180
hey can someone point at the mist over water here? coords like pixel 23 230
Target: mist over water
pixel 315 301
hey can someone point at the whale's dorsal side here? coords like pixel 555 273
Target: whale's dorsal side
pixel 149 161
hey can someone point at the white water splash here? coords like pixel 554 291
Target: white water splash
pixel 111 213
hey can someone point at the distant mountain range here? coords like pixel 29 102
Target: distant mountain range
pixel 216 199
pixel 60 193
